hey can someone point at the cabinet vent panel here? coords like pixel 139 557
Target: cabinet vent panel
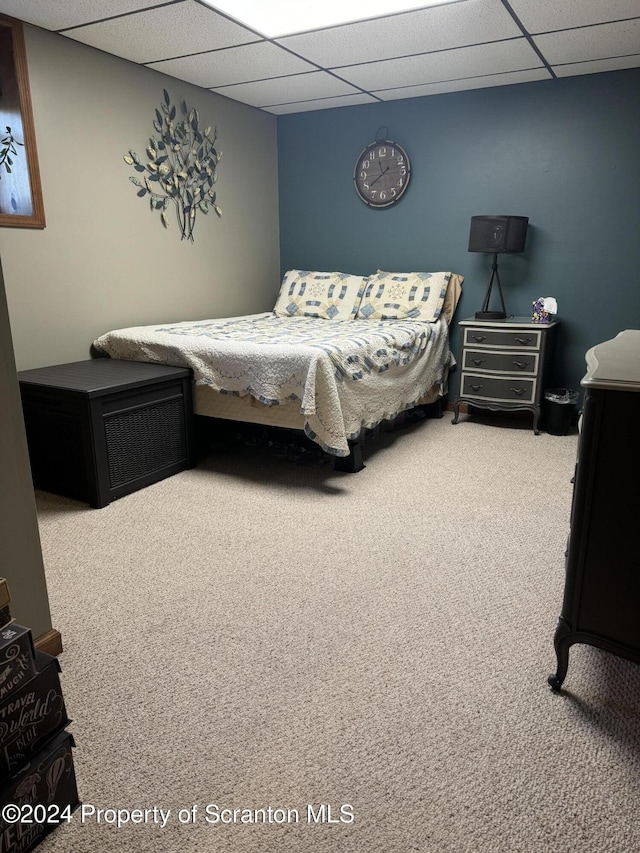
pixel 145 440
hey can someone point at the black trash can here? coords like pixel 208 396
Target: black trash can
pixel 559 409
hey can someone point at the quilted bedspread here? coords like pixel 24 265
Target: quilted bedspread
pixel 346 375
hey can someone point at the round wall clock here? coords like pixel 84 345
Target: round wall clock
pixel 382 173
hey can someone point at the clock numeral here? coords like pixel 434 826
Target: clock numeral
pixel 365 184
pixel 400 160
pixel 366 164
pixel 383 195
pixel 403 170
pixel 382 152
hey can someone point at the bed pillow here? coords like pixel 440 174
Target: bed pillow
pixel 404 296
pixel 452 297
pixel 328 295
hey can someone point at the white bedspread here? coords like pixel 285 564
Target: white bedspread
pixel 346 374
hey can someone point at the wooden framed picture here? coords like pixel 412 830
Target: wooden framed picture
pixel 21 204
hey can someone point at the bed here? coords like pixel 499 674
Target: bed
pixel 338 355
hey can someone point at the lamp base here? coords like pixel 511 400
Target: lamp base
pixel 491 315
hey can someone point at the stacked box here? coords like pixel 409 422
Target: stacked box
pixel 17 659
pixel 5 599
pixel 32 714
pixel 44 794
pixel 37 776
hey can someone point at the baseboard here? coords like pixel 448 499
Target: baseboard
pixel 51 643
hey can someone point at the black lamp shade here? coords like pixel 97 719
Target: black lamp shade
pixel 498 234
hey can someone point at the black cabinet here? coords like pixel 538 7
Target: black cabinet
pixel 601 604
pixel 102 428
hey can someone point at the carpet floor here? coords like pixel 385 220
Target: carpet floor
pixel 274 656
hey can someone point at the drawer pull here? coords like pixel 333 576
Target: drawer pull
pixel 524 341
pixel 478 361
pixel 521 364
pixel 518 391
pixel 476 387
pixel 479 338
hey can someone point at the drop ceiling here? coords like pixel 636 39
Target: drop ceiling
pixel 468 44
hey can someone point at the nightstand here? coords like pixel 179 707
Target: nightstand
pixel 505 364
pixel 102 428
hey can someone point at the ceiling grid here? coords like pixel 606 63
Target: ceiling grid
pixel 468 44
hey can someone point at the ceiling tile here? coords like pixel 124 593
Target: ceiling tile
pixel 163 33
pixel 300 87
pixel 510 78
pixel 546 15
pixel 618 63
pixel 513 55
pixel 59 14
pixel 456 46
pixel 427 30
pixel 321 104
pixel 234 65
pixel 598 42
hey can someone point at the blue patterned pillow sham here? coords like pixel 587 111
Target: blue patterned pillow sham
pixel 404 296
pixel 328 295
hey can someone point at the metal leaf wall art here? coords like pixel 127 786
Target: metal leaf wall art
pixel 180 167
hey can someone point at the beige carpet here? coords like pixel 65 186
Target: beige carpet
pixel 258 634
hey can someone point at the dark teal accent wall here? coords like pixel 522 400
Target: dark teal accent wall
pixel 565 153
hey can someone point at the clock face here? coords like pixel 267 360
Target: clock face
pixel 382 173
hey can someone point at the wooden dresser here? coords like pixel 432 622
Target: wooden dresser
pixel 505 364
pixel 602 587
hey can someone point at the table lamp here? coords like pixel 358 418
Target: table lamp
pixel 496 235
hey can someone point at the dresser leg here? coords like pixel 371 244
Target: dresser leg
pixel 456 412
pixel 561 642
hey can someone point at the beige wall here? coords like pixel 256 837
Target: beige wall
pixel 20 554
pixel 104 261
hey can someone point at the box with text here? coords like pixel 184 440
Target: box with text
pixel 30 715
pixel 41 797
pixel 17 658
